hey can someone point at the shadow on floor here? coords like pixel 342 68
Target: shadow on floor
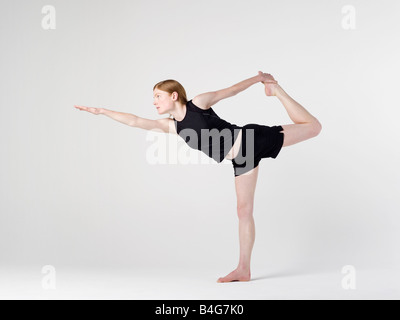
pixel 288 273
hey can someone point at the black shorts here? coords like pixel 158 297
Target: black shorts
pixel 258 141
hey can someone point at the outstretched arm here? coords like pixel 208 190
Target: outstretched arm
pixel 165 125
pixel 245 84
pixel 206 100
pixel 125 118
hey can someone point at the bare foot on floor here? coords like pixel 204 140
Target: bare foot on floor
pixel 236 275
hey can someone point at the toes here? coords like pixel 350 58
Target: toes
pixel 270 81
pixel 223 280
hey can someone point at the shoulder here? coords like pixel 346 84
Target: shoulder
pixel 167 125
pixel 201 101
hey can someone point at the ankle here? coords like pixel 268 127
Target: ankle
pixel 279 92
pixel 243 269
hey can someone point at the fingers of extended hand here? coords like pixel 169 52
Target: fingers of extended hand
pixel 81 108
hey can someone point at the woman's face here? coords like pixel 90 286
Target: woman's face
pixel 162 101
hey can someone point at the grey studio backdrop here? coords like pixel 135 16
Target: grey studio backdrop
pixel 79 190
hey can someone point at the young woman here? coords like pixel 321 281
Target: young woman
pixel 245 146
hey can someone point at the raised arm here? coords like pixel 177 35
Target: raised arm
pixel 165 125
pixel 208 99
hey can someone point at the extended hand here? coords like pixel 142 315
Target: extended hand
pixel 266 78
pixel 91 110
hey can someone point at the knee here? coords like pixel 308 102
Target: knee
pixel 316 128
pixel 244 211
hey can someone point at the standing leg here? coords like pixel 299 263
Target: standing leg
pixel 305 125
pixel 245 189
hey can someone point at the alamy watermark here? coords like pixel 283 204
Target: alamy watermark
pixel 165 150
pixel 349 17
pixel 49 278
pixel 349 280
pixel 49 20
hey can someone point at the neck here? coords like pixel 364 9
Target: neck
pixel 179 112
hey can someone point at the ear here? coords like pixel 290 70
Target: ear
pixel 175 95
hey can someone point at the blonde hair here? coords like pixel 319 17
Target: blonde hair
pixel 172 86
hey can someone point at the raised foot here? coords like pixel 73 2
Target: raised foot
pixel 270 88
pixel 270 83
pixel 236 275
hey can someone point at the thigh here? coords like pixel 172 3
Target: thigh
pixel 295 133
pixel 245 185
pixel 235 148
pixel 247 157
pixel 258 142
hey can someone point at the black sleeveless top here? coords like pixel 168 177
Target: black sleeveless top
pixel 204 130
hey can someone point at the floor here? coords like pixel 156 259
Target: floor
pixel 146 284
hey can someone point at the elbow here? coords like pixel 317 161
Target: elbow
pixel 133 121
pixel 234 91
